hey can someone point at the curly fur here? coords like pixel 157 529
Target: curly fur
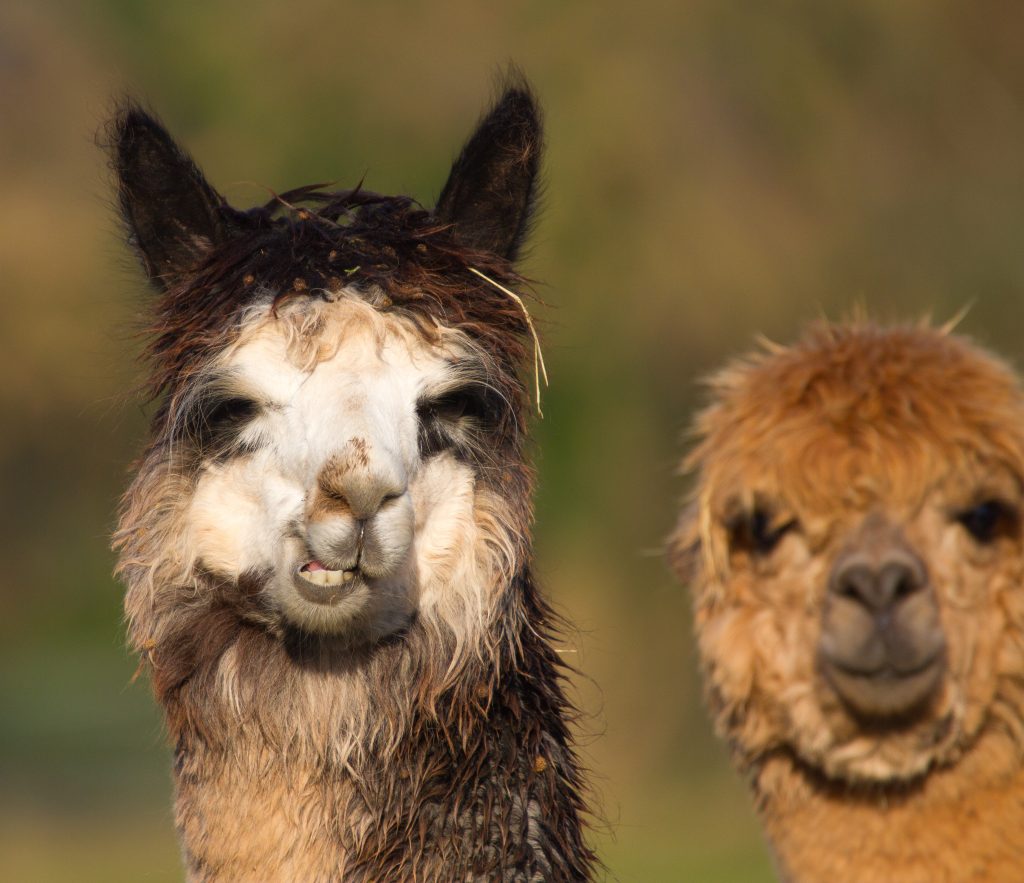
pixel 917 424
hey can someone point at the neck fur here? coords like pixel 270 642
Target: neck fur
pixel 958 823
pixel 414 760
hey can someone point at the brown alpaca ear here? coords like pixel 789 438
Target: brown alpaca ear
pixel 684 545
pixel 491 190
pixel 174 216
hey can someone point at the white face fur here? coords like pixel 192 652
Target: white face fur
pixel 324 485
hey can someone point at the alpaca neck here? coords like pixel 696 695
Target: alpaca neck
pixel 964 822
pixel 477 782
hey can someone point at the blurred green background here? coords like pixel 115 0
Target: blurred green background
pixel 716 169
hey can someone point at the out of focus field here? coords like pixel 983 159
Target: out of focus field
pixel 715 170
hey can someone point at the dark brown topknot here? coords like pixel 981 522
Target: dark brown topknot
pixel 211 262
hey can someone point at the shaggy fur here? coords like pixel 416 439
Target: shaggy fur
pixel 439 752
pixel 803 452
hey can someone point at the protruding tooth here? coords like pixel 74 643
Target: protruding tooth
pixel 332 577
pixel 347 575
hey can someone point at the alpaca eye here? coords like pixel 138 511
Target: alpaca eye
pixel 452 417
pixel 453 406
pixel 214 425
pixel 755 533
pixel 230 412
pixel 988 520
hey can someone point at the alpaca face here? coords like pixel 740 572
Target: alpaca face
pixel 337 443
pixel 856 553
pixel 336 448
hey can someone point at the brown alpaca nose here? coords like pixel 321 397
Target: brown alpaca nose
pixel 882 645
pixel 363 495
pixel 878 584
pixel 358 482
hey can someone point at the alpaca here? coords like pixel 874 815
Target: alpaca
pixel 855 555
pixel 326 542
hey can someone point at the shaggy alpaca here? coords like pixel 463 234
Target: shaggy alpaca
pixel 326 543
pixel 855 554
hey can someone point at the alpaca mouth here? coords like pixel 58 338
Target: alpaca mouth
pixel 887 693
pixel 321 585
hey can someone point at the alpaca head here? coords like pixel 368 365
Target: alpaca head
pixel 338 447
pixel 854 550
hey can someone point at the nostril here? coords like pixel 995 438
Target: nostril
pixel 856 583
pixel 899 584
pixel 850 592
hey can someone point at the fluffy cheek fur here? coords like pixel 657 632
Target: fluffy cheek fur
pixel 463 541
pixel 758 626
pixel 238 516
pixel 981 604
pixel 756 632
pixel 244 516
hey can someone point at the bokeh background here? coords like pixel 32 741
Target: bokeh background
pixel 716 169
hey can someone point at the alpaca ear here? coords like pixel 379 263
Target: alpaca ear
pixel 174 216
pixel 491 190
pixel 684 545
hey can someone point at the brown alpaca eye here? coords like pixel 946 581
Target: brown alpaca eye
pixel 214 424
pixel 230 412
pixel 447 419
pixel 987 521
pixel 755 533
pixel 454 406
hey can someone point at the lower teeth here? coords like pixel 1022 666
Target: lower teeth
pixel 327 577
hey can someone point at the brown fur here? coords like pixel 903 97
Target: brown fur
pixel 432 754
pixel 855 422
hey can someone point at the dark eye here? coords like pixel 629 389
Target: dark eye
pixel 215 424
pixel 456 417
pixel 756 533
pixel 988 520
pixel 454 406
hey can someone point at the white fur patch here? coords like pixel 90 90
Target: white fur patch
pixel 336 477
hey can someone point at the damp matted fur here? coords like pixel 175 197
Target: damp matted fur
pixel 439 751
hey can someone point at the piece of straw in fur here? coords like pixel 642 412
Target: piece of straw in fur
pixel 539 369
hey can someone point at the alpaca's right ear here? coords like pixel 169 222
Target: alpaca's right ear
pixel 490 195
pixel 174 216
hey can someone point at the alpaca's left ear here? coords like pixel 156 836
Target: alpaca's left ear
pixel 174 216
pixel 492 187
pixel 684 545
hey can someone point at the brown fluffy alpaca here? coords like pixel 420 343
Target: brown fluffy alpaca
pixel 326 543
pixel 855 555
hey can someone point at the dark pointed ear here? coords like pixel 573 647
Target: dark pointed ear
pixel 174 216
pixel 491 190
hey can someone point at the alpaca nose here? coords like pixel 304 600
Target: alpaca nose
pixel 364 493
pixel 879 582
pixel 359 482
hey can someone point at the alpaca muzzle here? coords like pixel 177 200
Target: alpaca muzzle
pixel 360 521
pixel 882 648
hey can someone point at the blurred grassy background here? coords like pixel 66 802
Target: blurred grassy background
pixel 716 169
